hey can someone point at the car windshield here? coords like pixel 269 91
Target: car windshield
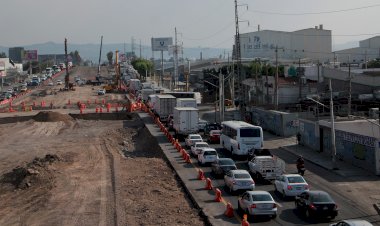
pixel 195 137
pixel 242 176
pixel 320 197
pixel 296 180
pixel 202 145
pixel 226 162
pixel 210 153
pixel 251 132
pixel 261 197
pixel 215 132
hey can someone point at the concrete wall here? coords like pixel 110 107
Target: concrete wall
pixel 360 83
pixel 309 131
pixel 352 148
pixel 279 123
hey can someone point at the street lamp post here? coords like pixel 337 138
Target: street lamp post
pixel 333 146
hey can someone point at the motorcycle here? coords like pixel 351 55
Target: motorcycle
pixel 301 169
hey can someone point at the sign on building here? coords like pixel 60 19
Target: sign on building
pixel 122 57
pixel 161 44
pixel 30 55
pixel 2 74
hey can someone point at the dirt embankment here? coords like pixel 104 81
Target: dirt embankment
pixel 57 170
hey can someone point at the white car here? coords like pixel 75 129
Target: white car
pixel 257 203
pixel 101 92
pixel 352 223
pixel 59 82
pixel 192 138
pixel 197 148
pixel 238 180
pixel 50 84
pixel 290 185
pixel 207 155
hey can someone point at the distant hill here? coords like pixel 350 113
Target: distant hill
pixel 91 51
pixel 346 45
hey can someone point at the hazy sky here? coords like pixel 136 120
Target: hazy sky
pixel 200 23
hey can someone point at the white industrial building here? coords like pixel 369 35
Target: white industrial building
pixel 368 49
pixel 310 44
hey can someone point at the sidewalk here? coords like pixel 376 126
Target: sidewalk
pixel 324 161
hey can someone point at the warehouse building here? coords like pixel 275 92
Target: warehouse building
pixel 368 49
pixel 311 43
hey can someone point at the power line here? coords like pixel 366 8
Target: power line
pixel 210 36
pixel 314 13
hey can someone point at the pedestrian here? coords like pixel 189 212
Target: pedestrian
pixel 298 138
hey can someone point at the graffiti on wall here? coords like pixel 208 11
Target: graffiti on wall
pixel 356 138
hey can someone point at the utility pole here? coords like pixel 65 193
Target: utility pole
pixel 299 78
pixel 221 97
pixel 67 78
pixel 162 70
pixel 318 73
pixel 140 48
pixel 175 80
pixel 349 88
pixel 238 61
pixel 100 54
pixel 333 147
pixel 266 79
pixel 276 81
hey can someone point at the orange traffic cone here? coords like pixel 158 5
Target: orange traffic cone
pixel 208 184
pixel 229 210
pixel 218 195
pixel 201 175
pixel 245 222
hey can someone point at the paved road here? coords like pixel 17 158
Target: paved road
pixel 317 177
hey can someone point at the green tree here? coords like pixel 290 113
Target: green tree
pixel 76 58
pixel 109 57
pixel 142 66
pixel 3 55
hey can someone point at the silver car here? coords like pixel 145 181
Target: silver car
pixel 191 139
pixel 257 203
pixel 290 185
pixel 197 148
pixel 207 155
pixel 238 180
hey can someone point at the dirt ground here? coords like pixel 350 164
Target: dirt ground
pixel 57 170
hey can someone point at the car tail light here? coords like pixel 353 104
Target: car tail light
pixel 311 206
pixel 290 187
pixel 307 187
pixel 274 205
pixel 253 206
pixel 335 207
pixel 252 182
pixel 233 182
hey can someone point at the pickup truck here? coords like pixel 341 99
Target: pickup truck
pixel 266 167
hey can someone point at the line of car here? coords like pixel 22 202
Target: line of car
pixel 312 204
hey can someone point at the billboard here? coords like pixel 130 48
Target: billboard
pixel 30 55
pixel 161 44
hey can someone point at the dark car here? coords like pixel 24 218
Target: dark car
pixel 222 165
pixel 258 152
pixel 211 126
pixel 316 204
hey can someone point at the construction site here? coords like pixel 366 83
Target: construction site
pixel 77 158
